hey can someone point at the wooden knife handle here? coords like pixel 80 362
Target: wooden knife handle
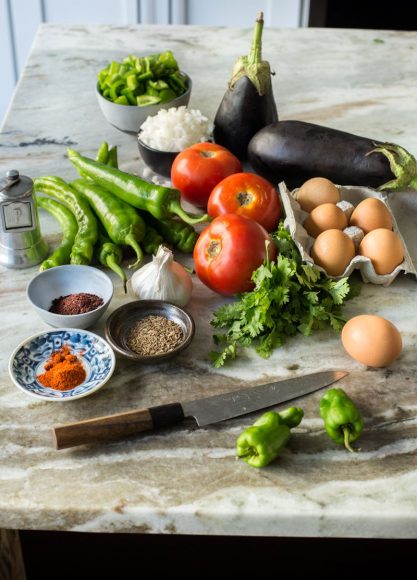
pixel 114 426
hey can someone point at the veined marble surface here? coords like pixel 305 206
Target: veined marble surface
pixel 186 480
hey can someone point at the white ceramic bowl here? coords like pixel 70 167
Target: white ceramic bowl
pixel 129 118
pixel 28 360
pixel 70 279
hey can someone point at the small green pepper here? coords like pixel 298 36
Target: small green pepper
pixel 161 202
pixel 69 229
pixel 86 236
pixel 121 221
pixel 261 443
pixel 342 420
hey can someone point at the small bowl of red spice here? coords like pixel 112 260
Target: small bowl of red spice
pixel 70 296
pixel 62 365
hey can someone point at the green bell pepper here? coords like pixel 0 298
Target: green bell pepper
pixel 261 443
pixel 342 420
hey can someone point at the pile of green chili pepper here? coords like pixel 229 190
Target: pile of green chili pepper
pixel 108 209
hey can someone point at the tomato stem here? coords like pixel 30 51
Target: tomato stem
pixel 244 198
pixel 205 153
pixel 214 248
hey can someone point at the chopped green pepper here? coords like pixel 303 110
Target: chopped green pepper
pixel 261 443
pixel 342 420
pixel 142 80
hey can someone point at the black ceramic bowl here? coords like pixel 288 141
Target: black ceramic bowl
pixel 159 161
pixel 125 317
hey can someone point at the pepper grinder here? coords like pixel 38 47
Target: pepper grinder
pixel 21 243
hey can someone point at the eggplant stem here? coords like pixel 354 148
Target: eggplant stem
pixel 402 164
pixel 255 54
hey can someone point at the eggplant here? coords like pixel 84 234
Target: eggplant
pixel 248 104
pixel 294 151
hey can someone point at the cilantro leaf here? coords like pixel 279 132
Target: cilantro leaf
pixel 289 297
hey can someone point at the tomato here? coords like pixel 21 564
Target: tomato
pixel 228 251
pixel 199 168
pixel 249 195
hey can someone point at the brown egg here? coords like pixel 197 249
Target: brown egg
pixel 316 191
pixel 333 250
pixel 326 216
pixel 371 340
pixel 384 248
pixel 370 214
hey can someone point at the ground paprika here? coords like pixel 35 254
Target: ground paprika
pixel 63 370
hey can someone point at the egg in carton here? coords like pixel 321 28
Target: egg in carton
pixel 350 196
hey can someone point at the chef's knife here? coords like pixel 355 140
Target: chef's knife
pixel 205 411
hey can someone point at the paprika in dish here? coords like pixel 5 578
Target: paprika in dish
pixel 63 370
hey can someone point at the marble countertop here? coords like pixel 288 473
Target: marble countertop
pixel 186 480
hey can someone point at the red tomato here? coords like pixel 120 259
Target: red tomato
pixel 249 195
pixel 228 251
pixel 199 168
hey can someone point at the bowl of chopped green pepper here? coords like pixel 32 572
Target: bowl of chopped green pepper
pixel 130 91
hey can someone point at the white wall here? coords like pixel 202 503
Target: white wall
pixel 19 20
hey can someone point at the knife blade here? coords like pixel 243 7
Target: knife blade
pixel 205 411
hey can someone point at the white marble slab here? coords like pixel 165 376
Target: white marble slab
pixel 186 480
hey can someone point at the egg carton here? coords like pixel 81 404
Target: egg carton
pixel 295 216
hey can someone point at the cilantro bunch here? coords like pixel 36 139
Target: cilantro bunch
pixel 289 297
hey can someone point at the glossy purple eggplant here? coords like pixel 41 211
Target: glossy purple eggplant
pixel 294 151
pixel 248 104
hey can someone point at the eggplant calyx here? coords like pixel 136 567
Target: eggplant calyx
pixel 402 164
pixel 252 66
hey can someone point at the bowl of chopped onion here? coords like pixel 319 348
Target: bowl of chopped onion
pixel 162 136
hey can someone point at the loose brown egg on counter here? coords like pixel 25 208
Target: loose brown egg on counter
pixel 384 248
pixel 370 214
pixel 371 340
pixel 333 250
pixel 316 191
pixel 326 216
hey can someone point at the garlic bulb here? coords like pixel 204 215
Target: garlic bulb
pixel 162 279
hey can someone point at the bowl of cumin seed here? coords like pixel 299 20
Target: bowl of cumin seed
pixel 149 331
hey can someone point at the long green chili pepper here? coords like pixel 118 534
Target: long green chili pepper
pixel 112 159
pixel 69 229
pixel 342 420
pixel 86 236
pixel 103 153
pixel 152 240
pixel 261 443
pixel 110 255
pixel 106 155
pixel 121 221
pixel 161 202
pixel 176 233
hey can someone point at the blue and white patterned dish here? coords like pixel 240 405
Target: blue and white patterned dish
pixel 28 359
